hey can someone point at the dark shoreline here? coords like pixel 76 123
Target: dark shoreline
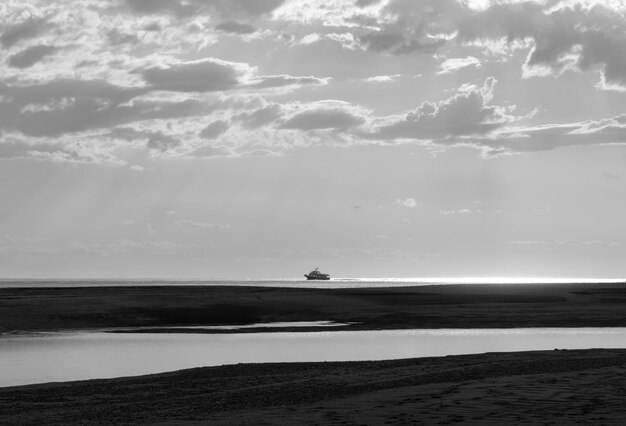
pixel 442 306
pixel 560 387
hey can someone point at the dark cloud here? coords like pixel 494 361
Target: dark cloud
pixel 201 76
pixel 85 114
pixel 117 38
pixel 211 75
pixel 210 151
pixel 226 9
pixel 365 3
pixel 408 26
pixel 69 88
pixel 18 149
pixel 244 8
pixel 51 152
pixel 259 117
pixel 397 43
pixel 270 81
pixel 569 37
pixel 67 106
pixel 214 129
pixel 177 7
pixel 331 118
pixel 155 26
pixel 23 31
pixel 154 140
pixel 235 28
pixel 159 141
pixel 30 56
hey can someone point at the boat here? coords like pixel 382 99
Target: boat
pixel 316 275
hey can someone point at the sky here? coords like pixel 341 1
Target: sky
pixel 260 139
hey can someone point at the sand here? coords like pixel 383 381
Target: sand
pixel 453 306
pixel 547 387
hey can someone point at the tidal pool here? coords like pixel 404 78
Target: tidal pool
pixel 51 357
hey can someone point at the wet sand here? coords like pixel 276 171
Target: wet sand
pixel 547 387
pixel 449 306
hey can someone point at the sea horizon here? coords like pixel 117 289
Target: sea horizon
pixel 340 282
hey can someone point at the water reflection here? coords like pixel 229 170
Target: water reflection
pixel 46 357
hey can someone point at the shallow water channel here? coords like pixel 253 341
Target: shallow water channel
pixel 63 356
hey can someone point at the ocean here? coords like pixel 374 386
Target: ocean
pixel 294 282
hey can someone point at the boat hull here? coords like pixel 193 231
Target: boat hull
pixel 318 278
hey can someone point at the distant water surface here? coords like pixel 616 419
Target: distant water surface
pixel 295 282
pixel 48 357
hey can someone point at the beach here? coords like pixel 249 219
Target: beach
pixel 556 386
pixel 549 387
pixel 444 306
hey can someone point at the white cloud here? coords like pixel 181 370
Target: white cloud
pixel 455 64
pixel 201 225
pixel 457 212
pixel 407 202
pixel 383 78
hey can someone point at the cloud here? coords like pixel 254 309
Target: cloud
pixel 397 43
pixel 201 225
pixel 214 129
pixel 25 30
pixel 560 36
pixel 91 113
pixel 235 28
pixel 407 202
pixel 551 136
pixel 457 212
pixel 56 152
pixel 233 9
pixel 210 151
pixel 324 115
pixel 571 36
pixel 321 119
pixel 454 64
pixel 30 56
pixel 159 141
pixel 67 106
pixel 270 81
pixel 211 75
pixel 41 94
pixel 464 114
pixel 116 38
pixel 383 78
pixel 206 75
pixel 259 117
pixel 366 3
pixel 406 26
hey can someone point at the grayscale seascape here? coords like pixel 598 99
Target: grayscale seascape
pixel 312 212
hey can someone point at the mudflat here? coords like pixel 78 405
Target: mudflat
pixel 546 387
pixel 442 306
pixel 558 387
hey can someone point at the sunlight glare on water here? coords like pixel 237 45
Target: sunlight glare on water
pixel 46 357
